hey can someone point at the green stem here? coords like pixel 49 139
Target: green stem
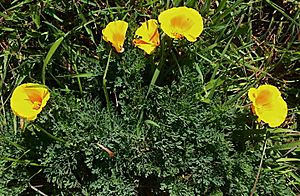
pixel 157 70
pixel 38 128
pixel 12 143
pixel 104 82
pixel 26 162
pixel 78 79
pixel 176 61
pixel 152 83
pixel 168 4
pixel 260 166
pixel 2 103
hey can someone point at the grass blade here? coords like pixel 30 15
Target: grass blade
pixel 48 57
pixel 287 159
pixel 288 146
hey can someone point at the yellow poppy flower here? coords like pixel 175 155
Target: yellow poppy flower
pixel 181 22
pixel 268 104
pixel 115 33
pixel 28 100
pixel 147 36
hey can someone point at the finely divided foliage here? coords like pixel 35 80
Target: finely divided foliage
pixel 170 119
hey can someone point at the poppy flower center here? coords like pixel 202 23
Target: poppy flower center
pixel 181 23
pixel 118 37
pixel 264 97
pixel 36 105
pixel 178 36
pixel 118 40
pixel 36 100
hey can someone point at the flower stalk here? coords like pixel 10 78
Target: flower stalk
pixel 38 128
pixel 104 82
pixel 152 83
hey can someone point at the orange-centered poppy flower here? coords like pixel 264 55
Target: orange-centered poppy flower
pixel 181 22
pixel 147 36
pixel 28 100
pixel 115 33
pixel 268 104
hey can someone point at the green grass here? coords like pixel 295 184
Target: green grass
pixel 145 106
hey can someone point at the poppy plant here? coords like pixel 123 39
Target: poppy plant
pixel 28 100
pixel 181 22
pixel 115 33
pixel 268 104
pixel 147 36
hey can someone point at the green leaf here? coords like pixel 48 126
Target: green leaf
pixel 85 75
pixel 295 176
pixel 221 6
pixel 288 146
pixel 205 7
pixel 6 29
pixel 287 159
pixel 150 122
pixel 190 3
pixel 25 162
pixel 48 57
pixel 281 130
pixel 214 83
